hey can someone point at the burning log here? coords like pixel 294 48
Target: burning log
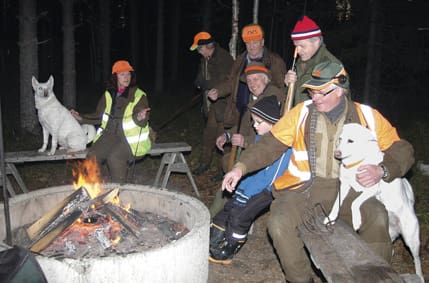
pixel 124 218
pixel 47 228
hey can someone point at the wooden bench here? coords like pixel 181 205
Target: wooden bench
pixel 339 253
pixel 172 161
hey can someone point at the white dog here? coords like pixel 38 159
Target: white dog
pixel 358 146
pixel 58 122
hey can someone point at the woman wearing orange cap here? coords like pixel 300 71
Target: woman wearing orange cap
pixel 123 115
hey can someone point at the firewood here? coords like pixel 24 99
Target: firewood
pixel 53 223
pixel 64 208
pixel 40 243
pixel 124 218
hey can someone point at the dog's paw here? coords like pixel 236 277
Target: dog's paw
pixel 52 152
pixel 42 149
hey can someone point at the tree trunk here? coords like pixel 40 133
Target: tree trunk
pixel 207 11
pixel 105 38
pixel 134 33
pixel 69 68
pixel 175 27
pixel 255 11
pixel 159 68
pixel 234 35
pixel 28 64
pixel 372 71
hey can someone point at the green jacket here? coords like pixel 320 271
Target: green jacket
pixel 303 71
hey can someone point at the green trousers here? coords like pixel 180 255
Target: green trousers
pixel 290 208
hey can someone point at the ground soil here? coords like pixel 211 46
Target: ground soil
pixel 257 261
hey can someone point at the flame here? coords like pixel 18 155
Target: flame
pixel 116 240
pixel 87 174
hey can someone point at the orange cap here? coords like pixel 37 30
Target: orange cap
pixel 252 32
pixel 121 66
pixel 200 39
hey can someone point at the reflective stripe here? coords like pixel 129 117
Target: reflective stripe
pixel 138 138
pixel 369 117
pixel 303 115
pixel 300 155
pixel 303 175
pixel 239 236
pixel 129 125
pixel 105 117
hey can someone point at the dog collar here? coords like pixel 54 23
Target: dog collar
pixel 351 165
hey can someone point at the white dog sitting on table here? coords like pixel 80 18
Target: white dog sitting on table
pixel 57 121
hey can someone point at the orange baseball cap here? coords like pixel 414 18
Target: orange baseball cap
pixel 252 32
pixel 201 38
pixel 121 66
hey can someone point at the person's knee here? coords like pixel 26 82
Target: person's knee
pixel 279 225
pixel 375 222
pixel 375 214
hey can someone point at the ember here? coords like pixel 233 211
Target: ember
pixel 90 223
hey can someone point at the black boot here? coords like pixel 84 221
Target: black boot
pixel 224 252
pixel 217 235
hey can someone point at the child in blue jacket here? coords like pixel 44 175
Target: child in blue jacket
pixel 229 228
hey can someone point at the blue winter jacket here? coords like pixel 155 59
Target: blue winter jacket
pixel 261 180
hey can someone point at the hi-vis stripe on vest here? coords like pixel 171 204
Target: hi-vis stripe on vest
pixel 137 137
pixel 298 172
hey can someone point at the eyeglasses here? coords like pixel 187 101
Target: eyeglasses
pixel 312 93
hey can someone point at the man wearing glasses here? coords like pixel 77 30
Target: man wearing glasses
pixel 311 129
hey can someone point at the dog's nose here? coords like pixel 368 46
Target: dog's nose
pixel 337 154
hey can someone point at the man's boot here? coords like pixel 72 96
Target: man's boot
pixel 217 235
pixel 224 252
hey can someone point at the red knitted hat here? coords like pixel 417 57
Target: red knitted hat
pixel 305 28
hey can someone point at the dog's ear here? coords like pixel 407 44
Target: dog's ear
pixel 34 83
pixel 51 82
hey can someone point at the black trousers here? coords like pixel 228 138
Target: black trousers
pixel 237 218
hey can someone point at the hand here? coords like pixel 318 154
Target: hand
pixel 231 179
pixel 290 77
pixel 75 114
pixel 220 141
pixel 369 175
pixel 142 114
pixel 213 94
pixel 237 140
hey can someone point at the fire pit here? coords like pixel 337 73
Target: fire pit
pixel 184 260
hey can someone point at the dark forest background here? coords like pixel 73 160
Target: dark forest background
pixel 383 44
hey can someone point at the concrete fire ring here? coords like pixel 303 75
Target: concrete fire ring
pixel 184 260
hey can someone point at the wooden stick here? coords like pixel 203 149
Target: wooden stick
pixel 233 152
pixel 291 87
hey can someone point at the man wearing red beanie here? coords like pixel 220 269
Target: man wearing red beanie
pixel 308 40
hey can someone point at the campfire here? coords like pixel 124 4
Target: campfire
pixel 92 222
